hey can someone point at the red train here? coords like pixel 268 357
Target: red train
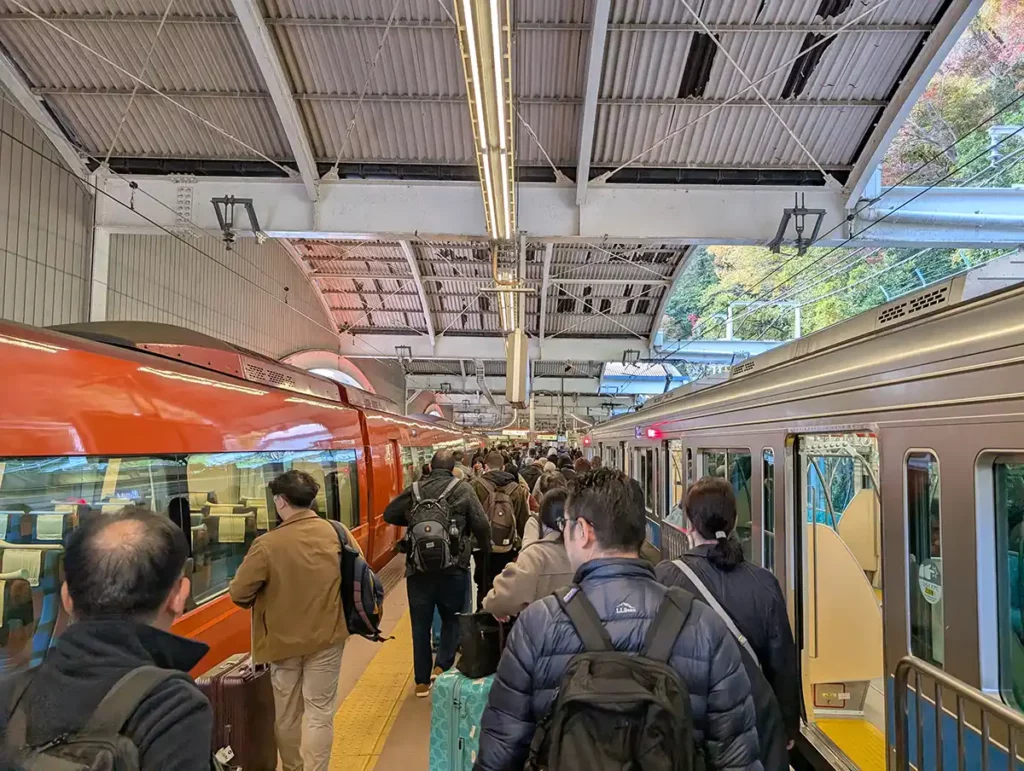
pixel 97 416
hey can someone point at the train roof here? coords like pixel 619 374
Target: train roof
pixel 945 321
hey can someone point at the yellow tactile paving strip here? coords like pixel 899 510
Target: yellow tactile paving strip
pixel 859 740
pixel 365 718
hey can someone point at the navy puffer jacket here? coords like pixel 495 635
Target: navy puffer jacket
pixel 627 597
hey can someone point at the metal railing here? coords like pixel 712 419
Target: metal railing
pixel 1009 722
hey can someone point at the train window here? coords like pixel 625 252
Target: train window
pixel 1008 476
pixel 924 541
pixel 734 465
pixel 768 509
pixel 677 483
pixel 647 474
pixel 689 466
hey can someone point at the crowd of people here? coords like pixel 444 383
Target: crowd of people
pixel 546 538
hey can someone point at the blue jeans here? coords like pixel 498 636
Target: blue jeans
pixel 445 593
pixel 435 630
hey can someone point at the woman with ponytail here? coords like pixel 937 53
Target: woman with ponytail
pixel 750 601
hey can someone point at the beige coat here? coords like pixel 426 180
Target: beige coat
pixel 291 579
pixel 541 568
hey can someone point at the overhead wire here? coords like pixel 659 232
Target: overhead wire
pixel 135 86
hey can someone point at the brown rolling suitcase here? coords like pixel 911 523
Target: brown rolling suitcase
pixel 243 711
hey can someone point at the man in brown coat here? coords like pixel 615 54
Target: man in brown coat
pixel 493 480
pixel 291 579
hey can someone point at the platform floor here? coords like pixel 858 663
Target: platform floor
pixel 380 724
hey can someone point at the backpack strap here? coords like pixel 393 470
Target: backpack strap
pixel 124 698
pixel 451 486
pixel 667 624
pixel 416 492
pixel 584 618
pixel 716 606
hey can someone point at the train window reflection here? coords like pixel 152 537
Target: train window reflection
pixel 1009 507
pixel 768 509
pixel 924 541
pixel 734 465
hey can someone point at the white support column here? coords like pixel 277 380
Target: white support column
pixel 545 282
pixel 100 274
pixel 12 80
pixel 667 295
pixel 410 256
pixel 265 53
pixel 939 43
pixel 595 66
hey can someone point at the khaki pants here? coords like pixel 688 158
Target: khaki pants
pixel 305 699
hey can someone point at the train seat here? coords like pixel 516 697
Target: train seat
pixel 43 568
pixel 17 623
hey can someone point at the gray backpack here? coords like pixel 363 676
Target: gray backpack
pixel 432 533
pixel 99 745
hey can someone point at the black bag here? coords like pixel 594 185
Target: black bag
pixel 99 745
pixel 482 640
pixel 362 591
pixel 615 710
pixel 432 536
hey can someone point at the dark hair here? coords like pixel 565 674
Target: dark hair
pixel 458 455
pixel 613 504
pixel 443 459
pixel 296 487
pixel 711 508
pixel 552 507
pixel 581 466
pixel 128 573
pixel 494 461
pixel 550 480
pixel 564 461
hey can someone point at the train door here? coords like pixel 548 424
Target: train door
pixel 839 592
pixel 673 535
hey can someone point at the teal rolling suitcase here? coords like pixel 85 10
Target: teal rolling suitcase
pixel 457 704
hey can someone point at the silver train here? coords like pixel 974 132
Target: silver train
pixel 879 471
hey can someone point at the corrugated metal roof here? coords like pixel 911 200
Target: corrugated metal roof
pixel 419 10
pixel 557 127
pixel 644 369
pixel 156 128
pixel 734 137
pixel 124 7
pixel 766 12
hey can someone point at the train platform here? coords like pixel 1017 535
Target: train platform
pixel 380 724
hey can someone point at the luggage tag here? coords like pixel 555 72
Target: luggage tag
pixel 225 755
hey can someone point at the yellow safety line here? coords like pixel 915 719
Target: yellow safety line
pixel 364 720
pixel 861 741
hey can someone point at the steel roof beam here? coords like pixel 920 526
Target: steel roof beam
pixel 265 53
pixel 410 256
pixel 666 296
pixel 428 24
pixel 592 84
pixel 926 63
pixel 545 283
pixel 485 347
pixel 12 80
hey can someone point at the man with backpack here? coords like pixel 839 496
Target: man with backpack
pixel 442 515
pixel 617 671
pixel 507 507
pixel 114 692
pixel 291 578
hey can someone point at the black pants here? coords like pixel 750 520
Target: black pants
pixel 485 570
pixel 447 593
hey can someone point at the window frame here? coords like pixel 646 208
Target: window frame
pixel 764 509
pixel 905 467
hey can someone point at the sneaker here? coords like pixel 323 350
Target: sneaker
pixel 434 675
pixel 422 690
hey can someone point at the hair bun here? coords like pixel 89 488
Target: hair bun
pixel 720 534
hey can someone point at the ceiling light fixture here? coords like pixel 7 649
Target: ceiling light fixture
pixel 486 58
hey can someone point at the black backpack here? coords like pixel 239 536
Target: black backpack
pixel 433 535
pixel 362 591
pixel 615 710
pixel 99 745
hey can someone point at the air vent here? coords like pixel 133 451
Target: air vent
pixel 263 372
pixel 913 306
pixel 742 368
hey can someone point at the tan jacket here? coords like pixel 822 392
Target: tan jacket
pixel 540 569
pixel 291 579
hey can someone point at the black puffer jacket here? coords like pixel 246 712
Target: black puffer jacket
pixel 464 506
pixel 753 598
pixel 626 596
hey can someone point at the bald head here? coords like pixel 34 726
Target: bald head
pixel 125 565
pixel 443 459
